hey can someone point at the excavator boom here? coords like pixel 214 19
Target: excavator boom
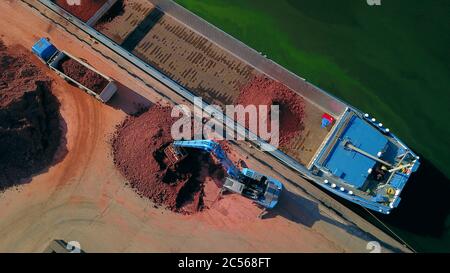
pixel 261 189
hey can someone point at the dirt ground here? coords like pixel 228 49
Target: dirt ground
pixel 84 198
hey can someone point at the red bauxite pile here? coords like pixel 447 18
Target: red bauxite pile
pixel 262 90
pixel 138 154
pixel 29 118
pixel 81 74
pixel 84 11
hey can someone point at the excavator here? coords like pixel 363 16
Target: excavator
pixel 263 190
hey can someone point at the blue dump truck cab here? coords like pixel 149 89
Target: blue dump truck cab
pixel 362 161
pixel 44 49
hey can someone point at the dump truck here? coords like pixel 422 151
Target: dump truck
pixel 53 58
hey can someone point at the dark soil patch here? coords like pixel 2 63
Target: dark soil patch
pixel 30 131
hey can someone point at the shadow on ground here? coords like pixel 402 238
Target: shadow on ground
pixel 128 101
pixel 59 155
pixel 306 212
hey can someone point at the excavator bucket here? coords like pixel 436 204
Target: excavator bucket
pixel 174 154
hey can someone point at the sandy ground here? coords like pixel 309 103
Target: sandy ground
pixel 84 198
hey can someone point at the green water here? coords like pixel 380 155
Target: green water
pixel 392 61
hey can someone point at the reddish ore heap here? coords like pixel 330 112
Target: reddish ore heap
pixel 138 154
pixel 84 11
pixel 29 118
pixel 262 90
pixel 81 74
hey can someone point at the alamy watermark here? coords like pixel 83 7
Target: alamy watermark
pixel 212 122
pixel 73 247
pixel 74 2
pixel 374 247
pixel 373 2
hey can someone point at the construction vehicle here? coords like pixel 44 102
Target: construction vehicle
pixel 263 190
pixel 51 56
pixel 61 246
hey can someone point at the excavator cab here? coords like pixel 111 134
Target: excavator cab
pixel 233 185
pixel 174 154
